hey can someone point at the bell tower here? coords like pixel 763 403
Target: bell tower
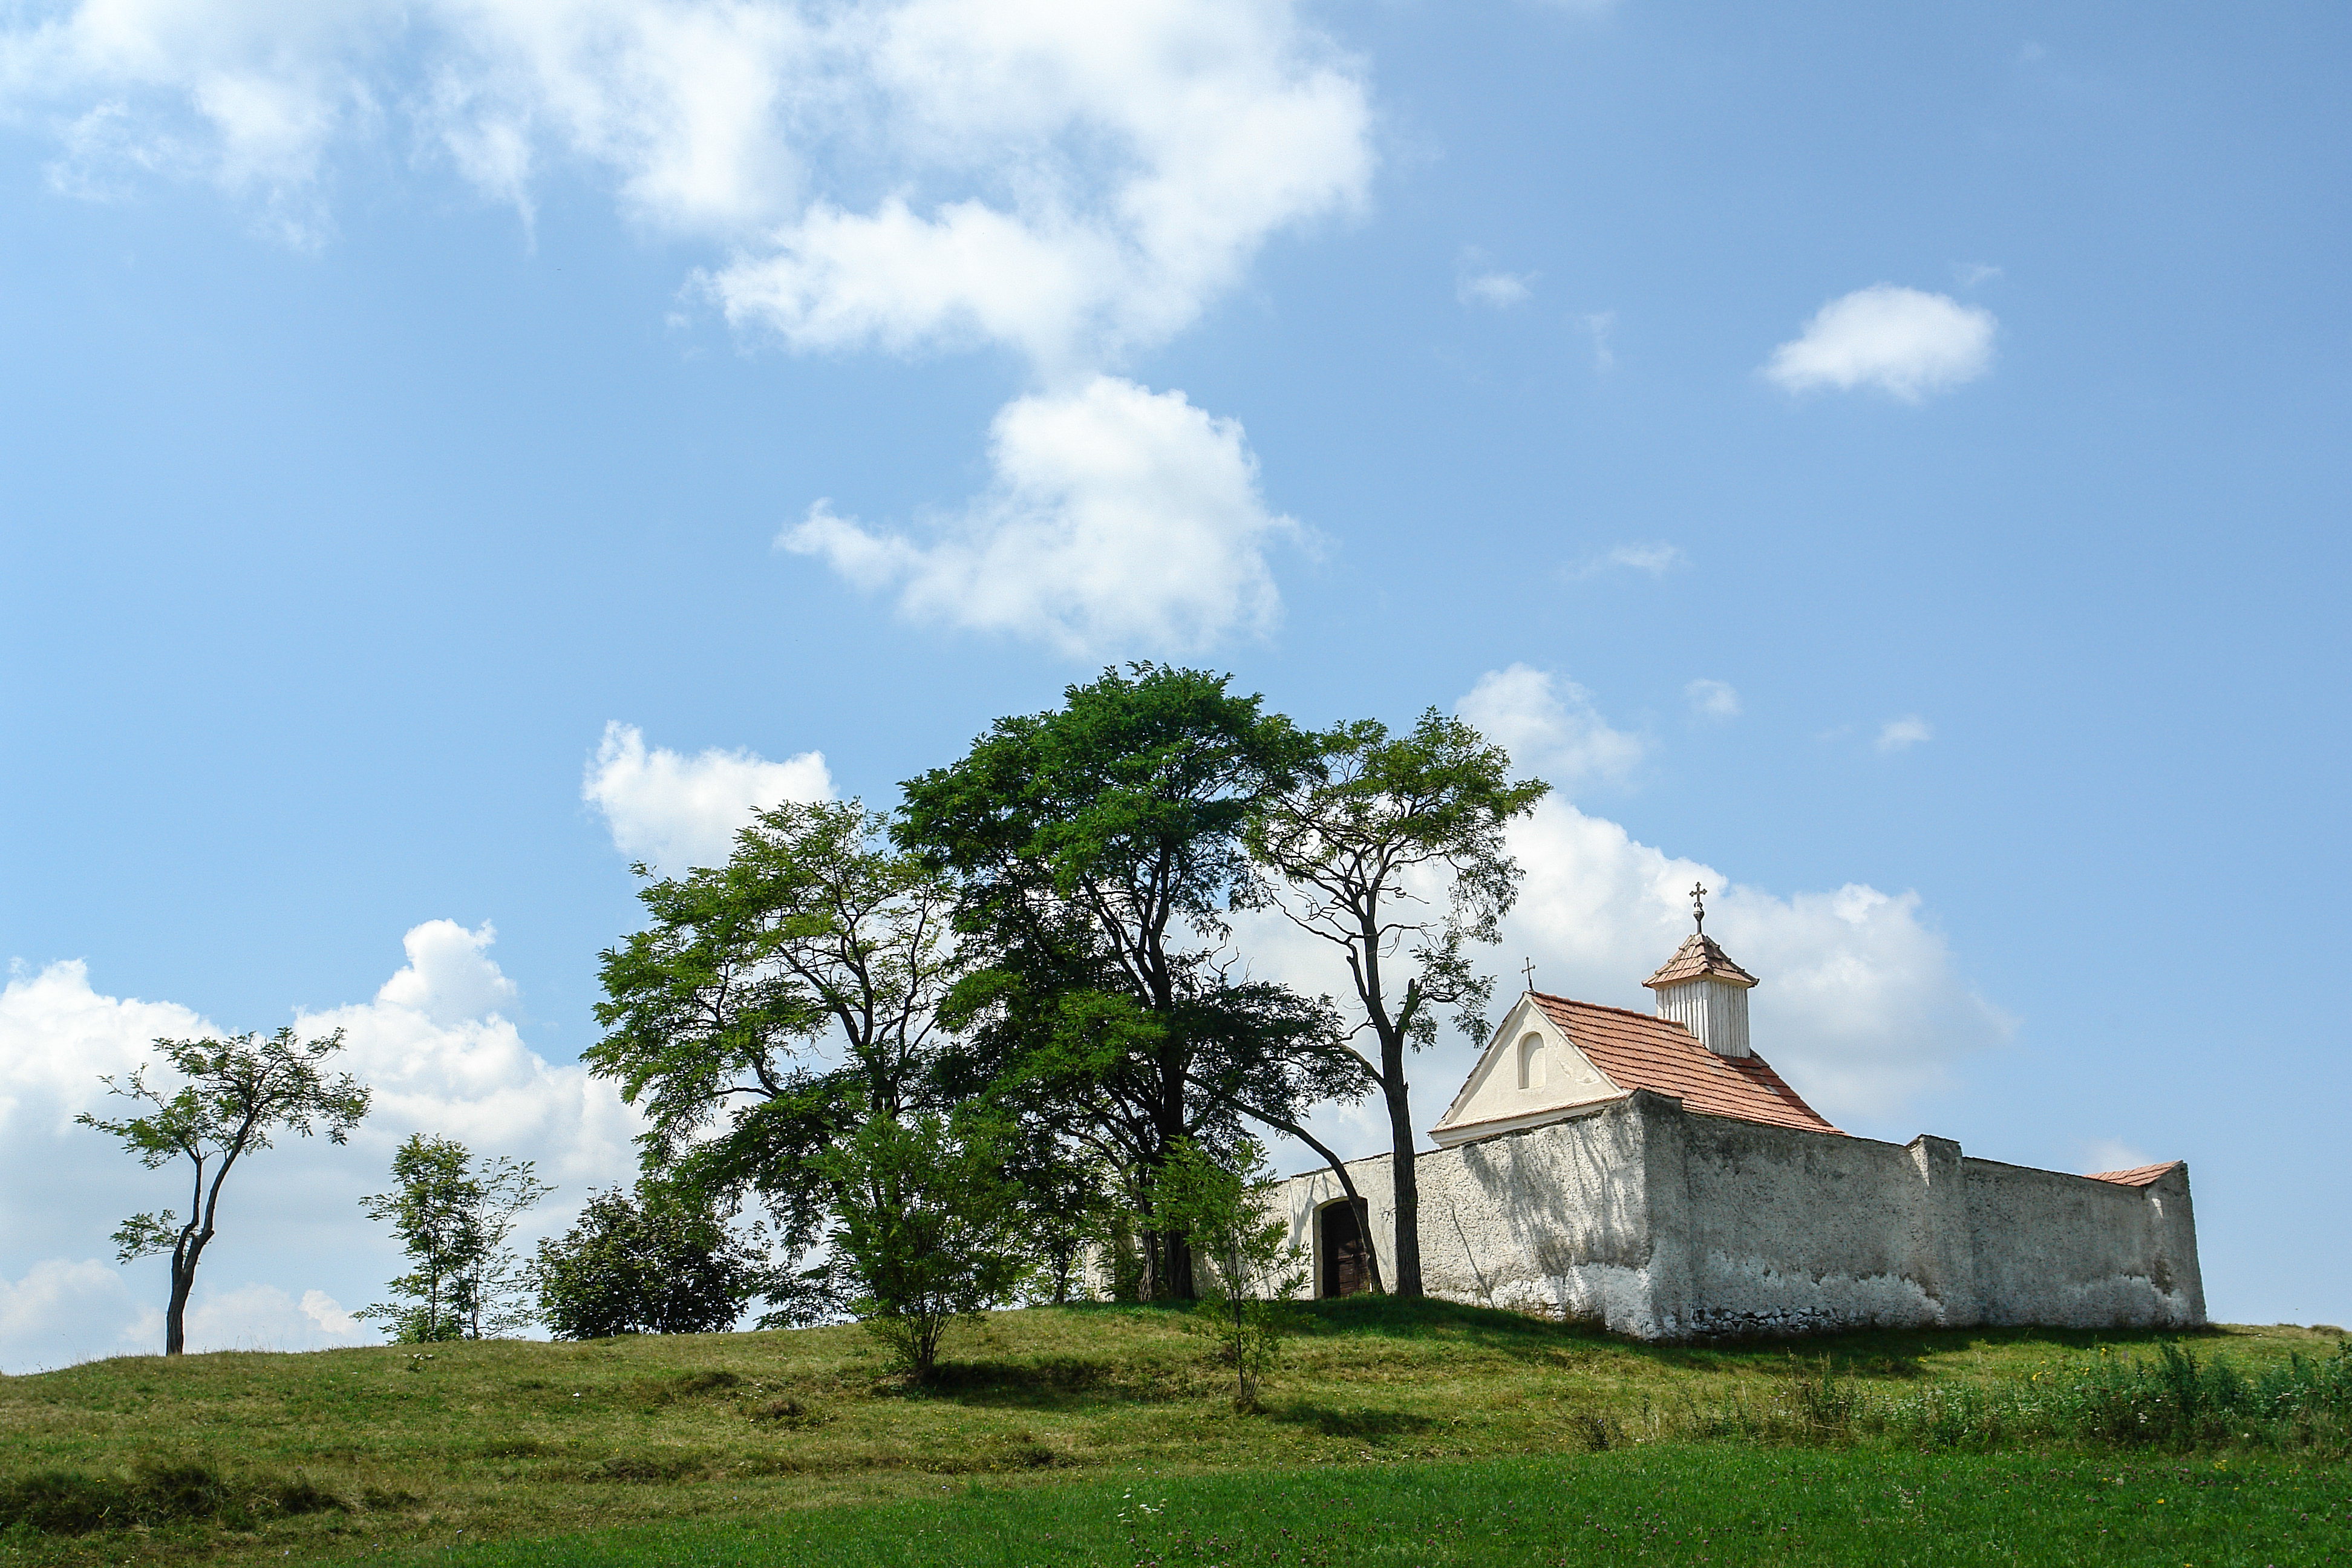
pixel 1703 991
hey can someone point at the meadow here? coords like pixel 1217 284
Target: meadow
pixel 1394 1432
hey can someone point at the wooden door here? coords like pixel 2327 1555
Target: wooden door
pixel 1347 1262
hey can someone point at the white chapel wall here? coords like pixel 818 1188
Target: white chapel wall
pixel 1662 1224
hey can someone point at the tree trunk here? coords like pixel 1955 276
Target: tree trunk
pixel 184 1281
pixel 1177 1283
pixel 175 1329
pixel 1406 1254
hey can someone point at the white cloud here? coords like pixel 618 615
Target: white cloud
pixel 1903 341
pixel 674 812
pixel 896 172
pixel 1550 727
pixel 1972 273
pixel 293 1246
pixel 65 1310
pixel 1861 1007
pixel 1713 699
pixel 1072 182
pixel 1655 558
pixel 1500 289
pixel 246 95
pixel 449 977
pixel 1119 518
pixel 1899 734
pixel 1118 163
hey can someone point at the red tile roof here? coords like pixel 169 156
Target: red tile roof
pixel 1698 956
pixel 2138 1176
pixel 1635 1050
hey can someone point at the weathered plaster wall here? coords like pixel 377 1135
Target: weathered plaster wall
pixel 1667 1225
pixel 2051 1248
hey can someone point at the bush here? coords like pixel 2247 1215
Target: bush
pixel 930 1229
pixel 659 1264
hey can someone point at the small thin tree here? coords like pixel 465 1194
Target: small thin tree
pixel 1394 854
pixel 453 1215
pixel 1225 1209
pixel 239 1092
pixel 929 1227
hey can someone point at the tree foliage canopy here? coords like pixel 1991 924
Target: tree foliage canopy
pixel 237 1094
pixel 1097 849
pixel 1393 853
pixel 663 1262
pixel 770 1005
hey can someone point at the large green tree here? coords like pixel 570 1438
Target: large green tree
pixel 1393 853
pixel 235 1094
pixel 772 1006
pixel 1098 847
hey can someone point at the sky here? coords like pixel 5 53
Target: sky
pixel 1885 463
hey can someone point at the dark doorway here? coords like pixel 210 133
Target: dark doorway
pixel 1347 1262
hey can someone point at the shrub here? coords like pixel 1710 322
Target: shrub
pixel 659 1264
pixel 929 1228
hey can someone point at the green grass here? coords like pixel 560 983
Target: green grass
pixel 1054 1412
pixel 1686 1504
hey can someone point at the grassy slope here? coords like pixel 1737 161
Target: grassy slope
pixel 502 1439
pixel 1684 1504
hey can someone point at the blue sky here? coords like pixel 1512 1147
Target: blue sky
pixel 399 397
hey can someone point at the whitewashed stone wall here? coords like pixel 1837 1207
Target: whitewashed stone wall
pixel 1667 1225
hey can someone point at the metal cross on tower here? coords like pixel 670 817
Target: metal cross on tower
pixel 1698 905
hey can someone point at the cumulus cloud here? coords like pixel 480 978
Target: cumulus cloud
pixel 1713 699
pixel 1862 1006
pixel 294 1248
pixel 1118 518
pixel 248 97
pixel 1550 727
pixel 1130 158
pixel 1900 734
pixel 1072 183
pixel 676 812
pixel 1902 341
pixel 1063 180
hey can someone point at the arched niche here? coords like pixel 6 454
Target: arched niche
pixel 1532 1060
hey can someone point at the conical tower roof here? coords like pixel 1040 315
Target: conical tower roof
pixel 1698 958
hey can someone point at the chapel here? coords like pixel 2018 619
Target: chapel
pixel 1651 1173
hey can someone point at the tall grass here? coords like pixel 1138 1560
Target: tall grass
pixel 2170 1401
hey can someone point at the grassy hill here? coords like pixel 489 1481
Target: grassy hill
pixel 1433 1418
